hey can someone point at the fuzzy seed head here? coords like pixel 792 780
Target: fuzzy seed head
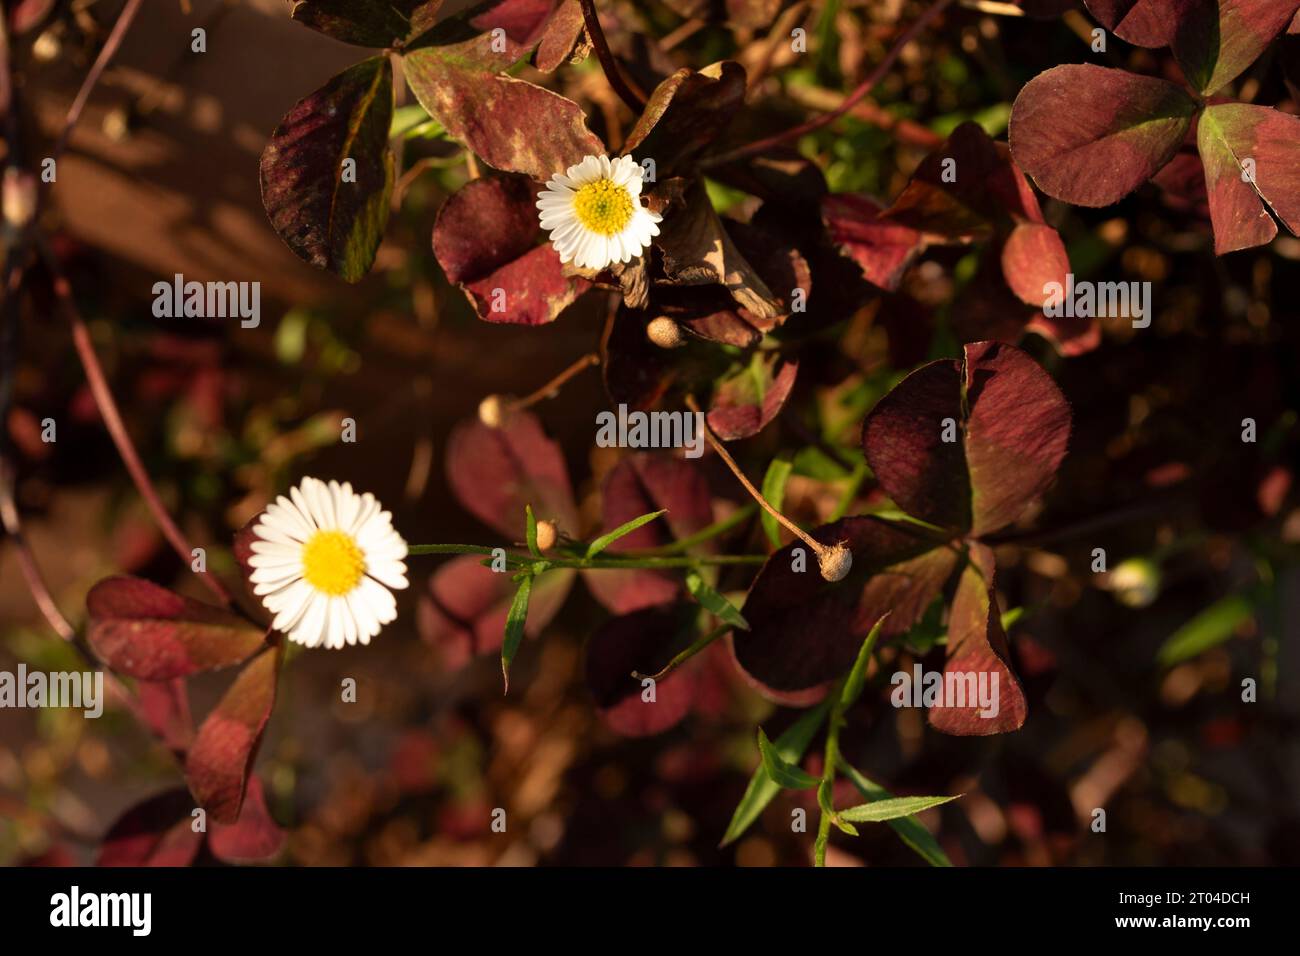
pixel 835 562
pixel 665 333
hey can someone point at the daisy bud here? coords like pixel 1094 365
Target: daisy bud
pixel 546 535
pixel 835 562
pixel 491 411
pixel 665 333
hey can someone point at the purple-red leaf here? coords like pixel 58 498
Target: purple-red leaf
pixel 883 248
pixel 1249 154
pixel 485 239
pixel 745 402
pixel 1032 257
pixel 165 709
pixel 374 23
pixel 496 472
pixel 253 837
pixel 978 655
pixel 1148 23
pixel 643 641
pixel 464 613
pixel 142 630
pixel 1090 135
pixel 155 832
pixel 327 172
pixel 806 632
pixel 1216 40
pixel 904 440
pixel 512 125
pixel 1017 430
pixel 969 447
pixel 561 35
pixel 218 764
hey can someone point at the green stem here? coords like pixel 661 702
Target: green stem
pixel 597 563
pixel 712 531
pixel 699 645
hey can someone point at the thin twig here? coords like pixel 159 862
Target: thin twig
pixel 112 417
pixel 106 53
pixel 26 560
pixel 551 388
pixel 795 132
pixel 625 87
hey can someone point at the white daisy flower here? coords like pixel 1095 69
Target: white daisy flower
pixel 594 214
pixel 323 562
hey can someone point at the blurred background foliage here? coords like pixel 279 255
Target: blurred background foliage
pixel 1134 685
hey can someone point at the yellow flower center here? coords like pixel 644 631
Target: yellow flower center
pixel 604 207
pixel 332 563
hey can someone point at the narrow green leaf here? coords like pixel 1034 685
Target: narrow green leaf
pixel 778 473
pixel 605 540
pixel 1211 627
pixel 824 794
pixel 780 771
pixel 791 745
pixel 858 675
pixel 515 626
pixel 909 829
pixel 713 602
pixel 531 532
pixel 881 811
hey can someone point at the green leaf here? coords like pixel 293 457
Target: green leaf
pixel 825 791
pixel 909 828
pixel 780 771
pixel 713 602
pixel 791 746
pixel 853 684
pixel 1211 627
pixel 530 533
pixel 605 540
pixel 881 811
pixel 778 473
pixel 515 626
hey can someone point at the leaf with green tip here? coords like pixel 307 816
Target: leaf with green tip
pixel 1207 629
pixel 515 622
pixel 778 473
pixel 1090 135
pixel 761 790
pixel 331 223
pixel 909 828
pixel 1228 136
pixel 882 811
pixel 713 602
pixel 605 540
pixel 779 770
pixel 1215 41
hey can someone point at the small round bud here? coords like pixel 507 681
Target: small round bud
pixel 665 333
pixel 491 411
pixel 1135 582
pixel 546 535
pixel 835 562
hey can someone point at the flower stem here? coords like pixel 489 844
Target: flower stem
pixel 551 388
pixel 793 133
pixel 626 89
pixel 818 548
